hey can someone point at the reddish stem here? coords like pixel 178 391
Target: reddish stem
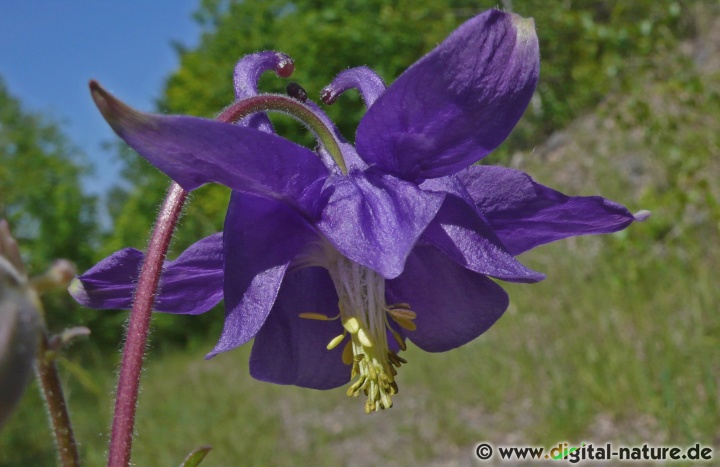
pixel 53 394
pixel 139 326
pixel 137 331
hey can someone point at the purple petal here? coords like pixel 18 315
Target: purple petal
pixel 457 103
pixel 466 237
pixel 292 350
pixel 376 219
pixel 247 74
pixel 262 236
pixel 362 78
pixel 526 214
pixel 249 69
pixel 453 305
pixel 110 284
pixel 194 151
pixel 191 284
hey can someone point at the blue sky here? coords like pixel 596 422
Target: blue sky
pixel 49 49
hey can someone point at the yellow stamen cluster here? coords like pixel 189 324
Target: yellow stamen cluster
pixel 364 316
pixel 373 364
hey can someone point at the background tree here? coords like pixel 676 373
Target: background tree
pixel 40 187
pixel 42 198
pixel 595 45
pixel 589 49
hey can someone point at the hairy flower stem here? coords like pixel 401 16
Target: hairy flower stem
pixel 139 326
pixel 53 394
pixel 296 109
pixel 137 330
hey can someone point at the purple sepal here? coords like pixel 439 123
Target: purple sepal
pixel 525 214
pixel 110 284
pixel 466 237
pixel 194 151
pixel 191 284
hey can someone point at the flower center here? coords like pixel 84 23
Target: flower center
pixel 364 315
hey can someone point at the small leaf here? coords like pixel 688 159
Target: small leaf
pixel 80 374
pixel 194 458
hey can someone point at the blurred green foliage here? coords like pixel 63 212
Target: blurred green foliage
pixel 673 116
pixel 40 191
pixel 42 198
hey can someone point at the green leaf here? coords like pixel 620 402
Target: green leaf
pixel 81 374
pixel 195 457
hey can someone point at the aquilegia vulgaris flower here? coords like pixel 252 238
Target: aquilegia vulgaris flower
pixel 331 259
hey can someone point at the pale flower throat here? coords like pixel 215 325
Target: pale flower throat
pixel 364 315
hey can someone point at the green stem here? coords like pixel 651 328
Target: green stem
pixel 294 108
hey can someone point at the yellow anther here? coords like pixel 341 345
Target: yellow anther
pixel 402 313
pixel 374 391
pixel 399 340
pixel 355 389
pixel 317 316
pixel 363 338
pixel 405 323
pixel 372 374
pixel 386 401
pixel 347 355
pixel 395 360
pixel 336 341
pixel 352 325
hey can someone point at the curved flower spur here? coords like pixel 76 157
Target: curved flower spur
pixel 332 258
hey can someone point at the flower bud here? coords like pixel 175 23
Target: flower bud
pixel 19 321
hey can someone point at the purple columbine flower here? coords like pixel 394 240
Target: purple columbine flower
pixel 332 259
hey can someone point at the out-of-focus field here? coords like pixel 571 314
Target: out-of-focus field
pixel 620 344
pixel 621 349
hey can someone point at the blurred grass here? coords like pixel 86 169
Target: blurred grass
pixel 621 342
pixel 599 352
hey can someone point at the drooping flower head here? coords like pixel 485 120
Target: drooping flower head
pixel 331 259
